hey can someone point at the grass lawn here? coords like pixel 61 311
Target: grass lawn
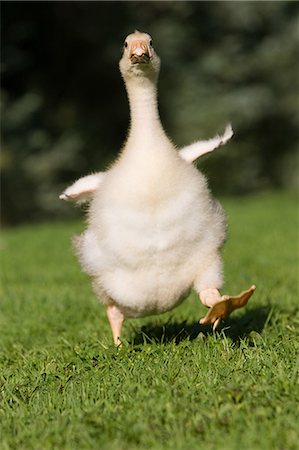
pixel 175 384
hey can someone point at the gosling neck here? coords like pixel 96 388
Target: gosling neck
pixel 145 120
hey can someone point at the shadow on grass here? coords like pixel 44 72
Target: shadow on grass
pixel 234 328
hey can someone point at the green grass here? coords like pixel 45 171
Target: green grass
pixel 174 385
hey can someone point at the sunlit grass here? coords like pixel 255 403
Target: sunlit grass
pixel 175 385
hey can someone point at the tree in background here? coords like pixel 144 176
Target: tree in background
pixel 64 108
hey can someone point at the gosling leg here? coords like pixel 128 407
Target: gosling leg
pixel 116 318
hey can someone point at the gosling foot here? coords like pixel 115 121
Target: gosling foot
pixel 222 306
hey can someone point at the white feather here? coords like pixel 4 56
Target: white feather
pixel 194 151
pixel 83 189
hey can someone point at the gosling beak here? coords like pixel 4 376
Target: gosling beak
pixel 139 52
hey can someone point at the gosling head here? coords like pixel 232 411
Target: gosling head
pixel 139 59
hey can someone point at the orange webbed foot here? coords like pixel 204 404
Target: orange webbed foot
pixel 226 306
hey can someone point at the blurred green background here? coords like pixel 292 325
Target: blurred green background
pixel 65 111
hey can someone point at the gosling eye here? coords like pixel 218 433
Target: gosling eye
pixel 126 44
pixel 151 43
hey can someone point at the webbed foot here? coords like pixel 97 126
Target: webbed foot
pixel 225 306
